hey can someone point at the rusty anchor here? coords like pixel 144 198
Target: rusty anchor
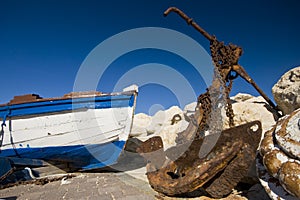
pixel 218 172
pixel 206 156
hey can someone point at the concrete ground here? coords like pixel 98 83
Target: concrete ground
pixel 130 182
pixel 103 186
pixel 84 186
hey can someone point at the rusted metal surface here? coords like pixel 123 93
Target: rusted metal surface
pixel 230 158
pixel 25 99
pixel 152 150
pixel 234 171
pixel 189 21
pixel 205 156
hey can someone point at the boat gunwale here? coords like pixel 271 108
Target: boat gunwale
pixel 65 97
pixel 83 99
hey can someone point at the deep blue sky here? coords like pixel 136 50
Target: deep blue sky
pixel 43 43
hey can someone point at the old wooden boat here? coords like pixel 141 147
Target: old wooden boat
pixel 86 130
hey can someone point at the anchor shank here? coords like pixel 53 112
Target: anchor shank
pixel 189 21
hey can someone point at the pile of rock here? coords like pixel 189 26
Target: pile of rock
pixel 167 124
pixel 279 164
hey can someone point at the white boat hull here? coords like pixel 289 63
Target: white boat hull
pixel 85 138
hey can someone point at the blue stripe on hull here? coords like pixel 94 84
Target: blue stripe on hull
pixel 83 157
pixel 53 106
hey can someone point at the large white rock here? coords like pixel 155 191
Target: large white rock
pixel 164 118
pixel 189 109
pixel 165 124
pixel 140 123
pixel 286 91
pixel 248 108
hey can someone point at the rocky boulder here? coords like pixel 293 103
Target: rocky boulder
pixel 286 91
pixel 140 123
pixel 248 108
pixel 165 124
